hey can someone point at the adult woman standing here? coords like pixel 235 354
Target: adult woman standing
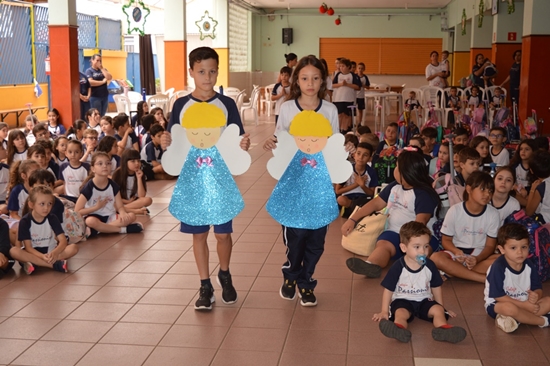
pixel 291 61
pixel 514 77
pixel 99 77
pixel 479 71
pixel 435 72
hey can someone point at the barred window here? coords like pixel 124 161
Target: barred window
pixel 238 38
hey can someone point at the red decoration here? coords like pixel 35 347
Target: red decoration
pixel 337 21
pixel 323 8
pixel 330 11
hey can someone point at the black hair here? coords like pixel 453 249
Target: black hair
pixel 346 62
pixel 459 131
pixel 478 140
pixel 361 130
pixel 295 91
pixel 479 179
pixel 155 129
pixel 39 127
pixel 515 53
pixel 41 176
pixel 140 110
pixel 429 132
pixel 349 137
pixel 468 153
pixel 147 121
pixel 431 53
pixel 394 125
pixel 120 120
pixel 516 159
pixel 353 63
pixel 540 164
pixel 77 126
pixel 286 70
pixel 512 231
pixel 121 174
pixel 106 144
pixel 290 57
pixel 202 53
pixel 499 129
pixel 366 146
pixel 542 143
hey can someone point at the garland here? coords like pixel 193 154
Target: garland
pixel 481 10
pixel 463 22
pixel 511 6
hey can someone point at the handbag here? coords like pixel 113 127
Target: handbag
pixel 362 239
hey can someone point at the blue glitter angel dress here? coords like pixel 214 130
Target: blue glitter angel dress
pixel 205 193
pixel 304 196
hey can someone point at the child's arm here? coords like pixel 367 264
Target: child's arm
pixel 278 96
pixel 447 244
pixel 122 214
pixel 488 250
pixel 81 202
pixel 360 180
pixel 534 198
pixel 141 191
pixel 525 305
pixel 15 215
pixel 375 205
pixel 386 300
pixel 123 141
pixel 342 188
pixel 423 218
pixel 31 250
pixel 53 256
pixel 84 157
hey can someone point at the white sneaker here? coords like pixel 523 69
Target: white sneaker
pixel 506 323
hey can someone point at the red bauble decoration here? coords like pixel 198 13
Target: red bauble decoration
pixel 330 11
pixel 323 8
pixel 337 21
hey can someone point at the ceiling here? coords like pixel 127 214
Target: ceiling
pixel 396 4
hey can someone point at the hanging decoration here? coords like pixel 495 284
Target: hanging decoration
pixel 463 22
pixel 338 21
pixel 136 14
pixel 481 10
pixel 207 26
pixel 511 6
pixel 323 8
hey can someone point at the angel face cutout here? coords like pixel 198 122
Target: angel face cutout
pixel 203 123
pixel 311 132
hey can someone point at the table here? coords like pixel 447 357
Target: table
pixel 18 112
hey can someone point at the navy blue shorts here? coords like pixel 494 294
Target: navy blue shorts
pixel 226 228
pixel 393 238
pixel 491 311
pixel 103 219
pixel 360 104
pixel 417 309
pixel 43 250
pixel 343 107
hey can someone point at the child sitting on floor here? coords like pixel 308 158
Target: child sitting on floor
pixel 412 288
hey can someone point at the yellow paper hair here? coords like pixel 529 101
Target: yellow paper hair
pixel 310 123
pixel 203 115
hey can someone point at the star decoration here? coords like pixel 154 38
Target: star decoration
pixel 207 26
pixel 136 13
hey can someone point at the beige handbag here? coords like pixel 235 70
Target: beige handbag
pixel 362 239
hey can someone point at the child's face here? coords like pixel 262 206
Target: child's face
pixel 412 95
pixel 460 140
pixel 497 92
pixel 114 149
pixel 429 141
pixel 515 251
pixel 91 141
pixel 453 92
pixel 525 152
pixel 391 134
pixel 352 68
pixel 443 154
pixel 504 182
pixel 203 138
pixel 285 77
pixel 159 116
pixel 417 246
pixel 3 133
pixel 456 163
pixel 106 127
pixel 29 125
pixel 102 166
pixel 48 156
pixel 73 153
pixel 469 166
pixel 344 69
pixel 474 92
pixel 415 143
pixel 40 159
pixel 481 196
pixel 145 108
pixel 156 138
pixel 360 69
pixel 52 118
pixel 43 135
pixel 309 81
pixel 122 129
pixel 19 143
pixel 42 205
pixel 134 165
pixel 483 149
pixel 205 74
pixel 310 144
pixel 497 138
pixel 362 156
pixel 62 146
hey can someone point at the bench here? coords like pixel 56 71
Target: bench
pixel 18 112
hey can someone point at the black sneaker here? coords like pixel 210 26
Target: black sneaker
pixel 288 290
pixel 206 298
pixel 229 294
pixel 307 297
pixel 134 228
pixel 359 266
pixel 60 266
pixel 390 330
pixel 449 334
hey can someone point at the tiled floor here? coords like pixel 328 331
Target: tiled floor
pixel 129 301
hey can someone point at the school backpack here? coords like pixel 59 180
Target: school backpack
pixel 386 164
pixel 449 193
pixel 500 116
pixel 529 129
pixel 73 224
pixel 539 242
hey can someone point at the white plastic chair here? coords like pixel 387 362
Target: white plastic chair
pixel 269 104
pixel 159 101
pixel 135 98
pixel 444 101
pixel 252 104
pixel 405 95
pixel 232 93
pixel 239 99
pixel 433 95
pixel 176 95
pixel 466 95
pixel 122 103
pixel 169 92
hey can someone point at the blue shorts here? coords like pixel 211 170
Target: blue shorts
pixel 393 238
pixel 418 309
pixel 491 311
pixel 226 228
pixel 360 104
pixel 103 219
pixel 343 107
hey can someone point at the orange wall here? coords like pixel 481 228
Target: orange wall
pixel 175 64
pixel 115 62
pixel 223 74
pixel 17 96
pixel 460 66
pixel 474 51
pixel 502 58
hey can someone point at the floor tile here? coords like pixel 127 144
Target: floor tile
pixel 312 359
pixel 48 309
pixel 11 348
pixel 359 360
pixel 24 290
pixel 54 353
pixel 8 307
pixel 226 357
pixel 194 336
pixel 445 361
pixel 162 255
pixel 168 296
pixel 373 343
pixel 119 294
pixel 174 356
pixel 134 280
pixel 254 339
pixel 100 311
pixel 156 314
pixel 218 317
pixel 114 354
pixel 78 331
pixel 89 278
pixel 135 333
pixel 263 318
pixel 105 265
pixel 70 292
pixel 268 300
pixel 315 320
pixel 26 328
pixel 320 341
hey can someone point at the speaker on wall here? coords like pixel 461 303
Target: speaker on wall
pixel 287 35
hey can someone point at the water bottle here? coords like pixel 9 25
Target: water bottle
pixel 144 94
pixel 221 89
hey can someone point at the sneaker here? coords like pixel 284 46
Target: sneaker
pixel 206 298
pixel 506 323
pixel 61 266
pixel 288 290
pixel 449 334
pixel 28 268
pixel 359 266
pixel 391 330
pixel 307 297
pixel 134 228
pixel 229 294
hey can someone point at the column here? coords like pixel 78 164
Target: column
pixel 461 55
pixel 64 77
pixel 175 45
pixel 507 34
pixel 220 12
pixel 480 38
pixel 534 60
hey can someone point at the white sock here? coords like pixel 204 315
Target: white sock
pixel 123 230
pixel 368 262
pixel 545 322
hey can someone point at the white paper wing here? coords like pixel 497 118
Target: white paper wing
pixel 173 158
pixel 335 155
pixel 237 160
pixel 282 155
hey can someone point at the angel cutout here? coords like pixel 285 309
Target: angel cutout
pixel 307 160
pixel 205 155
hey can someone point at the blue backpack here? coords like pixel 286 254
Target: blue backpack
pixel 539 242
